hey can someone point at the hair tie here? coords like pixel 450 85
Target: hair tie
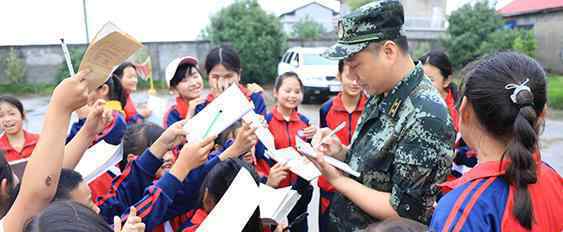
pixel 517 89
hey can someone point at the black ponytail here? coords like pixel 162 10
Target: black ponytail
pixel 514 119
pixel 115 90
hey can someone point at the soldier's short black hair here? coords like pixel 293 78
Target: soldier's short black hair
pixel 401 42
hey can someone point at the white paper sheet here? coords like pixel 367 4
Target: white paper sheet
pixel 225 110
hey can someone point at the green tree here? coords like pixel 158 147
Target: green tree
pixel 15 67
pixel 75 57
pixel 307 29
pixel 522 41
pixel 255 34
pixel 526 43
pixel 354 4
pixel 469 26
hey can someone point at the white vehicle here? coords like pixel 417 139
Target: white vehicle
pixel 317 73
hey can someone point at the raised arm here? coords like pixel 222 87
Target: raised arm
pixel 41 177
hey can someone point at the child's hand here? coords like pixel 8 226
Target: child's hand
pixel 195 154
pixel 133 224
pixel 83 111
pixel 172 136
pixel 245 139
pixel 309 132
pixel 71 93
pixel 98 118
pixel 193 104
pixel 277 173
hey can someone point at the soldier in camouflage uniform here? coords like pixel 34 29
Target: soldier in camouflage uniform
pixel 403 144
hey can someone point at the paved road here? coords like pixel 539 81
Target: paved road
pixel 551 138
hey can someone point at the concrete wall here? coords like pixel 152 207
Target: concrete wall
pixel 549 34
pixel 316 12
pixel 42 62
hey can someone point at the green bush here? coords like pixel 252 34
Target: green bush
pixel 522 41
pixel 15 68
pixel 526 43
pixel 27 89
pixel 469 26
pixel 75 57
pixel 255 34
pixel 555 91
pixel 307 29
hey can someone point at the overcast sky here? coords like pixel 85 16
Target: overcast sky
pixel 44 21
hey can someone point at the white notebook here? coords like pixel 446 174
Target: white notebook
pixel 308 150
pixel 235 207
pixel 217 116
pixel 297 163
pixel 98 159
pixel 276 204
pixel 262 131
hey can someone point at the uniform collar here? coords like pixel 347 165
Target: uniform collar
pixel 391 103
pixel 199 217
pixel 483 170
pixel 29 140
pixel 338 104
pixel 294 117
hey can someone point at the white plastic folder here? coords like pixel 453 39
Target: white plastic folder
pixel 297 163
pixel 308 150
pixel 262 131
pixel 108 49
pixel 98 159
pixel 235 207
pixel 158 105
pixel 225 110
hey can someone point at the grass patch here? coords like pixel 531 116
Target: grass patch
pixel 555 91
pixel 22 89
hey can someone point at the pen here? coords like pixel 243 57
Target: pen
pixel 212 123
pixel 67 57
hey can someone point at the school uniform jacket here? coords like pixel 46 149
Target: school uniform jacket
pixel 11 154
pixel 112 134
pixel 482 200
pixel 169 198
pixel 128 188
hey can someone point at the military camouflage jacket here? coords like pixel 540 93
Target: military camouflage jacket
pixel 402 145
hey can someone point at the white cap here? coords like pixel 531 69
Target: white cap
pixel 173 66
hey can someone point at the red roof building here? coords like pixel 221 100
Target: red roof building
pixel 545 18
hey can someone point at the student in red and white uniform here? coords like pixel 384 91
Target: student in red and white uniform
pixel 16 142
pixel 511 188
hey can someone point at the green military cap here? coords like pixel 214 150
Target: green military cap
pixel 376 21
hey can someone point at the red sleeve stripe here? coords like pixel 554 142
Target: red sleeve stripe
pixel 469 206
pixel 457 205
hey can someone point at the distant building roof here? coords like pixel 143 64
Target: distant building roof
pixel 292 11
pixel 521 7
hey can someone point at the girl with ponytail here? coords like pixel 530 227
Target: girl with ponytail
pixel 511 189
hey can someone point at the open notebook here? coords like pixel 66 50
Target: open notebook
pixel 98 159
pixel 276 204
pixel 308 150
pixel 297 163
pixel 18 167
pixel 108 49
pixel 217 116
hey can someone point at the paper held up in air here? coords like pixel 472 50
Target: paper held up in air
pixel 109 48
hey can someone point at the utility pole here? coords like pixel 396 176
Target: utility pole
pixel 85 21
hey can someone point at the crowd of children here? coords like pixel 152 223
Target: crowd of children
pixel 165 184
